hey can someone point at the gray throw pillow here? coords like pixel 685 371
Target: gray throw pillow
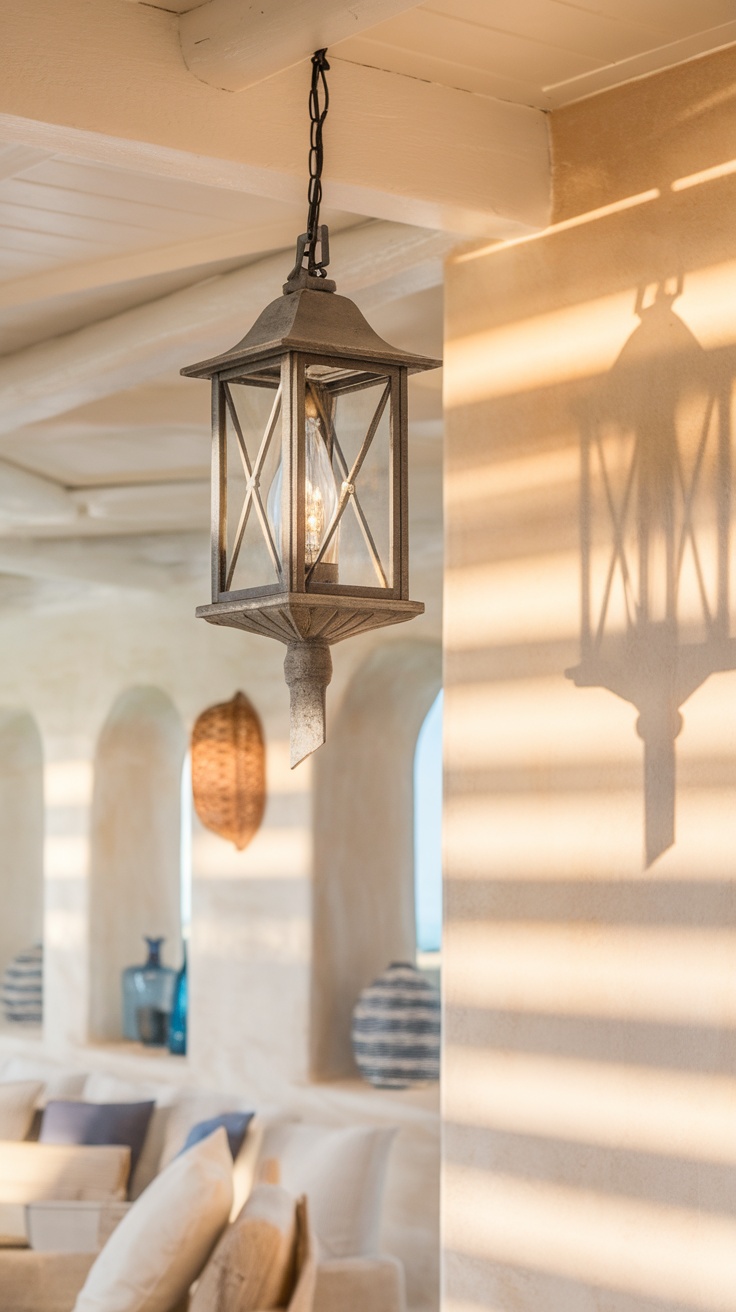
pixel 123 1123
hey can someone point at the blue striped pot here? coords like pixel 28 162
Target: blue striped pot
pixel 21 993
pixel 396 1029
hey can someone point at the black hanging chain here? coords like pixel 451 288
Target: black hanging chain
pixel 317 114
pixel 309 271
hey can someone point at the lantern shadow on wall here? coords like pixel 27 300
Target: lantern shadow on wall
pixel 655 521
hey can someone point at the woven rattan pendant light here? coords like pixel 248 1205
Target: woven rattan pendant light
pixel 229 770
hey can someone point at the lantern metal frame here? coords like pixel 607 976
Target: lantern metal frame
pixel 298 605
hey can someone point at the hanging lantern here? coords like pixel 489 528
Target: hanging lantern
pixel 310 533
pixel 229 770
pixel 655 538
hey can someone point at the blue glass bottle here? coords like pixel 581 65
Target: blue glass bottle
pixel 148 997
pixel 178 1020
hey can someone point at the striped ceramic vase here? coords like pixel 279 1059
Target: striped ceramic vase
pixel 396 1029
pixel 22 988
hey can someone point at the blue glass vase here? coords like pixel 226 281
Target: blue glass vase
pixel 148 997
pixel 178 1021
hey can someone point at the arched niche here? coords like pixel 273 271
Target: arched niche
pixel 135 885
pixel 21 833
pixel 363 909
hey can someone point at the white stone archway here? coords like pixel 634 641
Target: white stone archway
pixel 364 914
pixel 135 878
pixel 21 833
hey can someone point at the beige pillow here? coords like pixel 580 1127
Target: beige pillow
pixel 342 1171
pixel 32 1171
pixel 17 1106
pixel 252 1268
pixel 13 1232
pixel 161 1245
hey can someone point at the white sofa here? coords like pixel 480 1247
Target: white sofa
pixel 33 1281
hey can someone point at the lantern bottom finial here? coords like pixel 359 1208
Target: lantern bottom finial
pixel 308 670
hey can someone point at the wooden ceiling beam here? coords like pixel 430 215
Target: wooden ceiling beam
pixel 383 261
pixel 107 82
pixel 233 46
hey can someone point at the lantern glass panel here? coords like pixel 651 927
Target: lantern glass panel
pixel 252 441
pixel 356 407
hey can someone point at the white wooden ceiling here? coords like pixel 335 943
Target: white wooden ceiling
pixel 542 52
pixel 81 243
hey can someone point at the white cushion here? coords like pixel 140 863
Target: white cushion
pixel 363 1284
pixel 71 1227
pixel 58 1170
pixel 107 1088
pixel 17 1105
pixel 341 1171
pixel 58 1081
pixel 161 1245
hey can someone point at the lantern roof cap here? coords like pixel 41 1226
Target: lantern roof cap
pixel 318 323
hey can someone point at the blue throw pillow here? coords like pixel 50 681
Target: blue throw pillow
pixel 234 1124
pixel 121 1123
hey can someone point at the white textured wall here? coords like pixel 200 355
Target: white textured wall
pixel 588 1087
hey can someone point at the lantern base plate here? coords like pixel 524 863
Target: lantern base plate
pixel 300 616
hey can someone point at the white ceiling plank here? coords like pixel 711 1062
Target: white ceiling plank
pixel 439 68
pixel 28 500
pixel 114 269
pixel 74 561
pixel 556 21
pixel 113 457
pixel 15 160
pixel 166 197
pixel 168 505
pixel 105 231
pixel 107 83
pixel 500 46
pixel 650 61
pixel 53 245
pixel 131 218
pixel 232 46
pixel 555 27
pixel 672 17
pixel 143 343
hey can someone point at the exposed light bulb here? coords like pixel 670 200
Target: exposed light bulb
pixel 320 498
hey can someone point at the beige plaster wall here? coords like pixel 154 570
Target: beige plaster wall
pixel 21 833
pixel 590 998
